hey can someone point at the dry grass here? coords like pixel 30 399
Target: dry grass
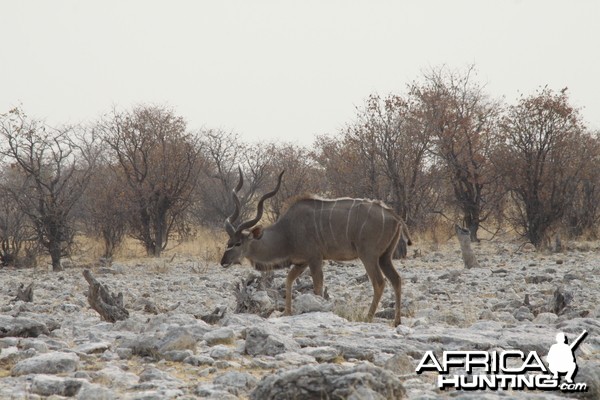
pixel 437 231
pixel 207 244
pixel 205 249
pixel 87 249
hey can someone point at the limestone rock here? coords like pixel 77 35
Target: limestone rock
pixel 22 327
pixel 236 382
pixel 212 391
pixel 219 336
pixel 48 363
pixel 322 353
pixel 589 373
pixel 400 364
pixel 49 385
pixel 308 302
pixel 117 377
pixel 96 392
pixel 177 339
pixel 330 381
pixel 263 340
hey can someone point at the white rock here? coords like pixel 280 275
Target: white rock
pixel 262 299
pixel 545 318
pixel 220 335
pixel 49 385
pixel 307 302
pixel 268 341
pixel 90 348
pixel 48 363
pixel 116 377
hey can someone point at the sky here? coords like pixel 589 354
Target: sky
pixel 284 70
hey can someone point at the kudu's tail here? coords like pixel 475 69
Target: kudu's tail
pixel 405 232
pixel 389 251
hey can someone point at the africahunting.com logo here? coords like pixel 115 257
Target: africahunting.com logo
pixel 511 369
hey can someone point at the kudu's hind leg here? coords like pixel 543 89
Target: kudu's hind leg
pixel 377 281
pixel 316 271
pixel 386 265
pixel 294 273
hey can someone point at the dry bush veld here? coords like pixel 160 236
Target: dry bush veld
pixel 461 121
pixel 544 158
pixel 160 162
pixel 443 152
pixel 54 166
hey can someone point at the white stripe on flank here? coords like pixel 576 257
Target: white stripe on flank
pixel 348 220
pixel 331 227
pixel 321 224
pixel 316 228
pixel 382 224
pixel 364 222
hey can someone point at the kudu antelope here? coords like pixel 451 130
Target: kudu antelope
pixel 314 229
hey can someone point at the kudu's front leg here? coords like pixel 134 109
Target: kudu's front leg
pixel 294 273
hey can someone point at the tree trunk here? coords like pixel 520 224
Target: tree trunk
pixel 473 229
pixel 55 254
pixel 109 244
pixel 471 220
pixel 158 235
pixel 464 238
pixel 535 233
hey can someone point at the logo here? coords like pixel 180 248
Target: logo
pixel 510 369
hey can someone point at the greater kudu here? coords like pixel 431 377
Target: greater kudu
pixel 314 229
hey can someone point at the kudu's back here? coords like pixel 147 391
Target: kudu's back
pixel 340 229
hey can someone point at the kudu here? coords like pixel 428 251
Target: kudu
pixel 314 229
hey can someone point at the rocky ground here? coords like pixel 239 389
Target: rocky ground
pixel 184 339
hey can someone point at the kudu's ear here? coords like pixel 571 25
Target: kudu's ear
pixel 257 232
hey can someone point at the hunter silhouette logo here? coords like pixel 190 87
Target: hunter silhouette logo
pixel 561 358
pixel 508 369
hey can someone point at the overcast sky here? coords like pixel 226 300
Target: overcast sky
pixel 287 70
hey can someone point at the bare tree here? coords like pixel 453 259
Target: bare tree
pixel 349 166
pixel 302 175
pixel 16 231
pixel 583 213
pixel 159 161
pixel 225 153
pixel 542 160
pixel 56 165
pixel 401 146
pixel 461 120
pixel 106 207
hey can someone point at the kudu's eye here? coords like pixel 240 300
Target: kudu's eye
pixel 232 245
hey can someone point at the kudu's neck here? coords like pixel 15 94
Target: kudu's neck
pixel 271 247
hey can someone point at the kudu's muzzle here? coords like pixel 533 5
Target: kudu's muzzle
pixel 225 262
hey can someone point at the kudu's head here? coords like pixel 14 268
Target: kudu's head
pixel 241 237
